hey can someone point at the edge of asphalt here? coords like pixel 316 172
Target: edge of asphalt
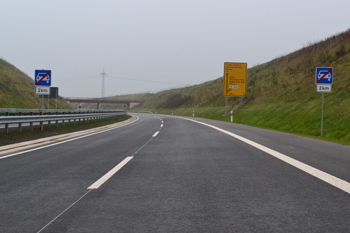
pixel 42 141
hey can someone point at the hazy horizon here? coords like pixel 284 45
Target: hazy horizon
pixel 150 46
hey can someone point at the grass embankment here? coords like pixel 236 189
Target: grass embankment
pixel 17 90
pixel 281 94
pixel 15 137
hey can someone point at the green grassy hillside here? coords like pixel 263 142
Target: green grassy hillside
pixel 281 94
pixel 17 90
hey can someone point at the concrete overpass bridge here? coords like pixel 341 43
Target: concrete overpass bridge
pixel 98 101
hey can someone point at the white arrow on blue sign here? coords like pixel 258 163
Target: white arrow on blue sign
pixel 42 78
pixel 324 75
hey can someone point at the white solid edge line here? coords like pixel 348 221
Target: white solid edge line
pixel 155 134
pixel 330 179
pixel 69 140
pixel 109 174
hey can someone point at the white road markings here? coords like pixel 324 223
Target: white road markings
pixel 64 211
pixel 69 140
pixel 330 179
pixel 155 134
pixel 100 181
pixel 109 174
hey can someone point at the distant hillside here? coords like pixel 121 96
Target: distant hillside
pixel 17 90
pixel 281 94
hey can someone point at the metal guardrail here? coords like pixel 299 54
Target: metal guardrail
pixel 19 116
pixel 141 111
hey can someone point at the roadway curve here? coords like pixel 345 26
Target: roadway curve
pixel 177 176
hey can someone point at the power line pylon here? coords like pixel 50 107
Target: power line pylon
pixel 103 83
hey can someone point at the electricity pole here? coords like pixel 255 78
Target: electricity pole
pixel 103 83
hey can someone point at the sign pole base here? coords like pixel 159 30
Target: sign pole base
pixel 322 114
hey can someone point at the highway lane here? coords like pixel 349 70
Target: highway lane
pixel 188 178
pixel 38 184
pixel 330 157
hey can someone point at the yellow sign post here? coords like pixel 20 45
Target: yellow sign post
pixel 235 79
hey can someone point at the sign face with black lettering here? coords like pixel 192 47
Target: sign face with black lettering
pixel 324 88
pixel 235 79
pixel 42 90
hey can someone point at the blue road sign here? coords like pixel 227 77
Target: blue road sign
pixel 42 78
pixel 324 75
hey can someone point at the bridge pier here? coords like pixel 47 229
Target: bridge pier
pixel 98 105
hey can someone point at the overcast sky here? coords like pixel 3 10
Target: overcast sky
pixel 154 45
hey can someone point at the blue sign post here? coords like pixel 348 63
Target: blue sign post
pixel 324 81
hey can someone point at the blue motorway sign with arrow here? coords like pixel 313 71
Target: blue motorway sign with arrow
pixel 42 78
pixel 324 75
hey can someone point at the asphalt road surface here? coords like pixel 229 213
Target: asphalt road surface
pixel 169 174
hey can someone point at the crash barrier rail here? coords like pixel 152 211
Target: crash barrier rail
pixel 140 112
pixel 20 116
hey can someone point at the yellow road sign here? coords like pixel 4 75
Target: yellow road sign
pixel 235 79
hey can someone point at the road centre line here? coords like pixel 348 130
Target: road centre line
pixel 64 211
pixel 155 134
pixel 69 140
pixel 109 174
pixel 330 179
pixel 100 181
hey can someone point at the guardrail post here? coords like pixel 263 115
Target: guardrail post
pixel 63 121
pixel 41 123
pixel 49 122
pixel 31 123
pixel 7 125
pixel 20 124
